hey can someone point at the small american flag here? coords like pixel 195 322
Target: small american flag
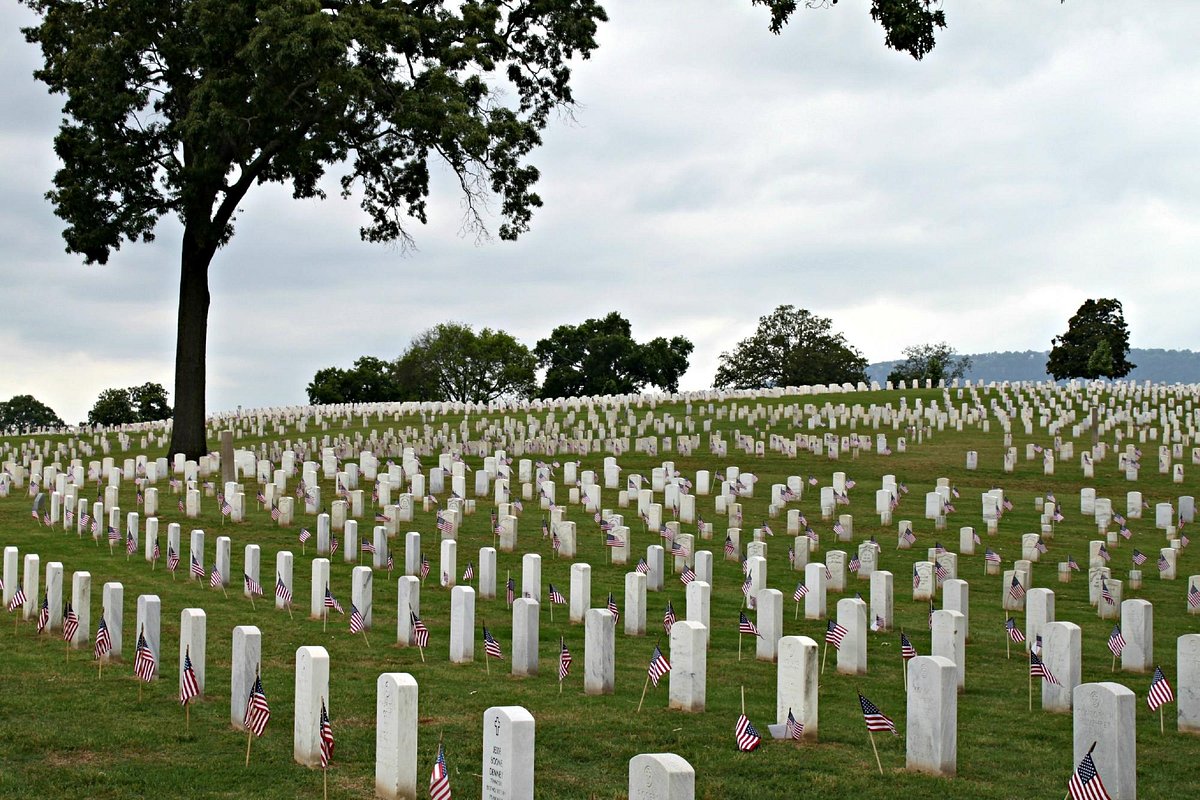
pixel 687 576
pixel 197 568
pixel 916 577
pixel 367 546
pixel 612 541
pixel 746 735
pixel 180 506
pixel 1038 669
pixel 564 659
pixel 189 687
pixel 1072 564
pixel 103 638
pixel 1160 691
pixel 43 614
pixel 444 525
pixel 390 562
pixel 439 779
pixel 834 634
pixel 794 729
pixel 510 588
pixel 382 518
pixel 1116 642
pixel 357 623
pixel 258 713
pixel 424 567
pixel 114 535
pixel 1014 633
pixel 1125 532
pixel 1085 783
pixel 70 623
pixel 1041 546
pixel 940 571
pixel 876 720
pixel 556 596
pixel 214 578
pixel 907 651
pixel 469 572
pixel 143 660
pixel 668 618
pixel 332 602
pixel 745 625
pixel 326 737
pixel 659 666
pixel 304 535
pixel 612 608
pixel 1194 596
pixel 420 632
pixel 1015 590
pixel 275 513
pixel 282 592
pixel 801 591
pixel 1105 594
pixel 226 509
pixel 1163 564
pixel 643 567
pixel 252 586
pixel 154 556
pixel 839 529
pixel 855 564
pixel 333 546
pixel 555 542
pixel 17 600
pixel 172 559
pixel 1139 557
pixel 991 556
pixel 767 529
pixel 1102 551
pixel 130 543
pixel 490 645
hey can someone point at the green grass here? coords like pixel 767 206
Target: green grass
pixel 70 733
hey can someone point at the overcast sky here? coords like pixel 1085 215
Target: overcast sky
pixel 1044 153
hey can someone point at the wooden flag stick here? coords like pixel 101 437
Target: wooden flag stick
pixel 101 675
pixel 325 772
pixel 743 701
pixel 324 618
pixel 224 592
pixel 1161 725
pixel 289 608
pixel 1007 642
pixel 1031 691
pixel 364 634
pixel 1114 662
pixel 739 644
pixel 422 649
pixel 249 739
pixel 823 655
pixel 252 606
pixel 187 718
pixel 878 763
pixel 645 686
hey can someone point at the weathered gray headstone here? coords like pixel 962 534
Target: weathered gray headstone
pixel 661 776
pixel 931 734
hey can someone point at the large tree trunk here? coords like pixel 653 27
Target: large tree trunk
pixel 191 343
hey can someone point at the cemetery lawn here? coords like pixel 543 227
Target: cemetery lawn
pixel 69 732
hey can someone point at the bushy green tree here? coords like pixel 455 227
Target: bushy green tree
pixel 791 347
pixel 150 402
pixel 370 380
pixel 1080 353
pixel 26 412
pixel 930 362
pixel 600 357
pixel 458 364
pixel 113 407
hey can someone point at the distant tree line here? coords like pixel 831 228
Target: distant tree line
pixel 453 362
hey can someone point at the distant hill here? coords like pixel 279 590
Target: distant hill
pixel 1160 366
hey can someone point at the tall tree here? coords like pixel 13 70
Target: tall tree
pixel 464 366
pixel 113 407
pixel 150 402
pixel 25 412
pixel 932 362
pixel 180 108
pixel 600 356
pixel 1080 352
pixel 791 347
pixel 370 380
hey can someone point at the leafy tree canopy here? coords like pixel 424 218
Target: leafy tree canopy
pixel 465 366
pixel 791 347
pixel 145 403
pixel 600 356
pixel 25 412
pixel 370 380
pixel 1095 345
pixel 932 362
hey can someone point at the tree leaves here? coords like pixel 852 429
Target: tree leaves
pixel 1079 352
pixel 791 347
